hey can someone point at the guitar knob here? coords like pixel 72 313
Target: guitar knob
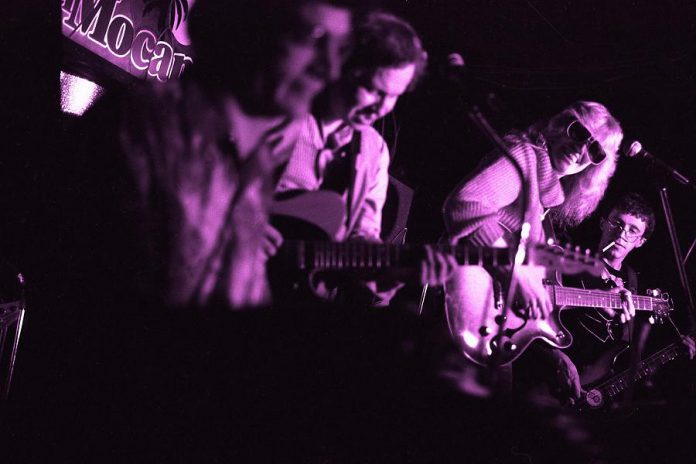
pixel 500 320
pixel 484 331
pixel 509 346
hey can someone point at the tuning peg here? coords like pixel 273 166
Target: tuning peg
pixel 651 320
pixel 550 242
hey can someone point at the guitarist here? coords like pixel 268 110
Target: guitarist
pixel 566 162
pixel 339 150
pixel 601 334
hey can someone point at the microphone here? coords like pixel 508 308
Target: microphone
pixel 635 150
pixel 454 70
pixel 455 60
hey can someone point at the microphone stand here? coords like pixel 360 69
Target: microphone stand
pixel 484 127
pixel 671 227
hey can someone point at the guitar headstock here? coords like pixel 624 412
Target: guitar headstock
pixel 567 260
pixel 662 304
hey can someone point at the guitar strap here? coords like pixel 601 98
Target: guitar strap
pixel 353 150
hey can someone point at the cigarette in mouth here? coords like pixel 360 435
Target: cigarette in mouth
pixel 608 246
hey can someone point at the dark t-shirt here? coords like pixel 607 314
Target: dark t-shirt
pixel 594 333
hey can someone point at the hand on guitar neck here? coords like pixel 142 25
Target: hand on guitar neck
pixel 628 309
pixel 434 269
pixel 272 240
pixel 690 343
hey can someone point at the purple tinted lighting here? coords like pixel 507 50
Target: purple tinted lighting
pixel 77 94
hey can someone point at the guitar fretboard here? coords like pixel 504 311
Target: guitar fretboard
pixel 363 255
pixel 567 296
pixel 645 368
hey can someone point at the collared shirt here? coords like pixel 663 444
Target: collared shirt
pixel 367 190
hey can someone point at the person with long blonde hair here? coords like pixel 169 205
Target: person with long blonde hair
pixel 565 163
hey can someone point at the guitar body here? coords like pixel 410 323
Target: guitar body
pixel 488 333
pixel 604 366
pixel 294 212
pixel 311 216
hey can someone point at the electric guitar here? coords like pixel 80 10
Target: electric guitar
pixel 488 333
pixel 600 394
pixel 320 215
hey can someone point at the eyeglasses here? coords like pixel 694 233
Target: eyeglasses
pixel 579 133
pixel 631 235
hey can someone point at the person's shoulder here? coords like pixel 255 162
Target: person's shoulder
pixel 370 133
pixel 373 143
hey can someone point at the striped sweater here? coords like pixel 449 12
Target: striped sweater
pixel 487 202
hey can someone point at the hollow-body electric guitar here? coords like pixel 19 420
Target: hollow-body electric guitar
pixel 489 333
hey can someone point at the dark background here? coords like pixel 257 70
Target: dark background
pixel 636 57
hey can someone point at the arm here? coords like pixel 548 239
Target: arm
pixel 435 267
pixel 368 224
pixel 562 371
pixel 470 210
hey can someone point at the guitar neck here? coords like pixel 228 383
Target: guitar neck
pixel 649 366
pixel 364 255
pixel 567 296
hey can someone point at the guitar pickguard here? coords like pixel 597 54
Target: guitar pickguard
pixel 487 332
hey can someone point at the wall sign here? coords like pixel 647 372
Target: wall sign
pixel 146 38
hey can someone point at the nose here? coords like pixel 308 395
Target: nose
pixel 381 106
pixel 621 233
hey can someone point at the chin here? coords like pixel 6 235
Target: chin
pixel 295 100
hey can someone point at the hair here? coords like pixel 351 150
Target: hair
pixel 383 40
pixel 634 204
pixel 584 190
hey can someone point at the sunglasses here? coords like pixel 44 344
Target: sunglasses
pixel 579 133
